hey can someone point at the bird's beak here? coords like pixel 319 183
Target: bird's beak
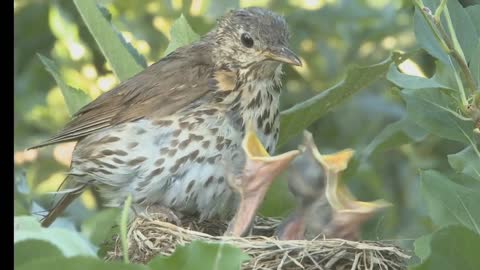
pixel 284 55
pixel 258 174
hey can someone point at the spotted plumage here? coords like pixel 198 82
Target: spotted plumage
pixel 170 134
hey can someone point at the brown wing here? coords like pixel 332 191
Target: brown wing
pixel 161 89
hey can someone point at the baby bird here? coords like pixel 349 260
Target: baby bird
pixel 325 205
pixel 258 171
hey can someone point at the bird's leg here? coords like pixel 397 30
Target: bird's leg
pixel 293 228
pixel 259 172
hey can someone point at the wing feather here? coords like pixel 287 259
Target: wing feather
pixel 161 89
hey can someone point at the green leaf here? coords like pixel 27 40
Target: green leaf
pixel 450 203
pixel 30 250
pixel 422 246
pixel 295 119
pixel 444 74
pixel 181 34
pixel 78 263
pixel 453 247
pixel 466 161
pixel 69 242
pixel 432 110
pixel 22 200
pixel 74 98
pixel 138 57
pixel 475 64
pixel 99 227
pixel 474 14
pixel 115 49
pixel 201 255
pixel 413 82
pixel 62 26
pixel 393 135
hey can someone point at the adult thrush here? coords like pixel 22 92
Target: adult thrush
pixel 165 135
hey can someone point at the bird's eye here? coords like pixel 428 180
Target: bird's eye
pixel 247 40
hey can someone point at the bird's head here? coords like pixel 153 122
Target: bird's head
pixel 251 36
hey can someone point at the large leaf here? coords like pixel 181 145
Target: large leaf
pixel 302 115
pixel 466 161
pixel 393 135
pixel 30 250
pixel 201 255
pixel 69 242
pixel 474 14
pixel 74 98
pixel 116 50
pixel 434 111
pixel 422 246
pixel 450 203
pixel 475 64
pixel 77 263
pixel 99 227
pixel 22 200
pixel 453 247
pixel 181 34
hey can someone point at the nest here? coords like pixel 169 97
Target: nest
pixel 148 238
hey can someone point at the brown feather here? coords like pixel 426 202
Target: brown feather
pixel 61 205
pixel 160 90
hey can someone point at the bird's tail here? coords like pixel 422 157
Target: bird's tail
pixel 64 202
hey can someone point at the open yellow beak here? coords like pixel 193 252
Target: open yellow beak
pixel 337 193
pixel 259 171
pixel 257 154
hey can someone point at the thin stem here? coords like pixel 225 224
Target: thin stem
pixel 440 9
pixel 463 97
pixel 452 48
pixel 458 55
pixel 123 228
pixel 456 44
pixel 428 16
pixel 455 51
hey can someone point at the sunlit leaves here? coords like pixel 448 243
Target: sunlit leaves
pixel 123 62
pixel 74 98
pixel 70 243
pixel 181 34
pixel 412 82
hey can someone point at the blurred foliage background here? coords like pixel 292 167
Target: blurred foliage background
pixel 330 36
